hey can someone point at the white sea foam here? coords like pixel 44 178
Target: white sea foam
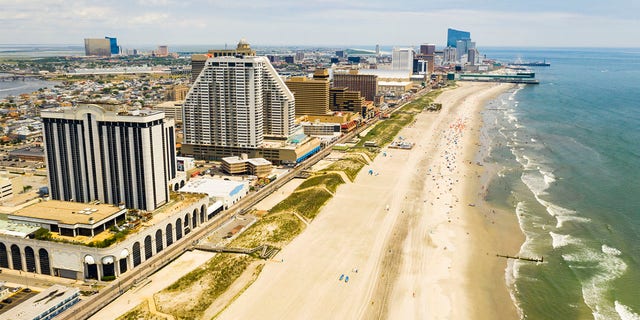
pixel 625 312
pixel 606 269
pixel 562 219
pixel 561 240
pixel 610 250
pixel 549 177
pixel 510 276
pixel 534 181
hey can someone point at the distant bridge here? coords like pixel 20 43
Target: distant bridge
pixel 17 76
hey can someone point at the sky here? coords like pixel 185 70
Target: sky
pixel 512 23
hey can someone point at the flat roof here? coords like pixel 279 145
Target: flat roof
pixel 259 161
pixel 66 212
pixel 41 302
pixel 254 161
pixel 21 230
pixel 213 187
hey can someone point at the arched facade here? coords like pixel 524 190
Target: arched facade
pixel 16 257
pixel 45 264
pixel 4 256
pixel 148 249
pixel 169 234
pixel 81 262
pixel 159 241
pixel 30 259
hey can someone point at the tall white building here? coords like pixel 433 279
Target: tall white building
pixel 450 55
pixel 402 59
pixel 115 156
pixel 237 102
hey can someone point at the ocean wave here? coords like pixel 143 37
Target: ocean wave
pixel 610 250
pixel 510 276
pixel 534 181
pixel 625 312
pixel 605 268
pixel 561 240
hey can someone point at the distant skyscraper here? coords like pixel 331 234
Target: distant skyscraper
pixel 449 55
pixel 97 47
pixel 428 48
pixel 463 47
pixel 115 156
pixel 236 102
pixel 454 35
pixel 299 56
pixel 402 59
pixel 113 45
pixel 377 49
pixel 471 56
pixel 162 51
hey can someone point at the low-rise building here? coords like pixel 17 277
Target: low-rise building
pixel 97 244
pixel 46 304
pixel 226 191
pixel 259 167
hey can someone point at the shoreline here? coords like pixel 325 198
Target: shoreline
pixel 408 256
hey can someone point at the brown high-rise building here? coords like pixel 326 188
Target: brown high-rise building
pixel 427 49
pixel 198 60
pixel 177 92
pixel 97 47
pixel 343 99
pixel 366 84
pixel 312 95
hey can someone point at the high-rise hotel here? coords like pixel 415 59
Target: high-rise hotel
pixel 235 104
pixel 114 156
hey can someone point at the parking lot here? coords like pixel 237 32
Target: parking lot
pixel 17 296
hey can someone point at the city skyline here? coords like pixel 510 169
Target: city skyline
pixel 327 22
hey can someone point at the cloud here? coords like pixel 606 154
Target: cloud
pixel 321 22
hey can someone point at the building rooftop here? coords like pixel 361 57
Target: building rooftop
pixel 259 161
pixel 21 230
pixel 215 188
pixel 41 302
pixel 66 212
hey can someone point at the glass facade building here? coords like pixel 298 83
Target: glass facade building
pixel 453 36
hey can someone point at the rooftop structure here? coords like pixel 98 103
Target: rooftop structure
pixel 198 60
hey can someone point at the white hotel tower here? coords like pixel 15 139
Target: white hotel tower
pixel 236 102
pixel 115 156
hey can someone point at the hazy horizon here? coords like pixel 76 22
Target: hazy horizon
pixel 493 23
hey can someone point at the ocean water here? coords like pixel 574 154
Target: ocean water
pixel 566 154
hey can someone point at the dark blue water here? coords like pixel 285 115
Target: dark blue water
pixel 567 154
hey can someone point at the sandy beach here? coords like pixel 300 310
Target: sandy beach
pixel 413 238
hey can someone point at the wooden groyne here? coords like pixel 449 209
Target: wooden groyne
pixel 541 259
